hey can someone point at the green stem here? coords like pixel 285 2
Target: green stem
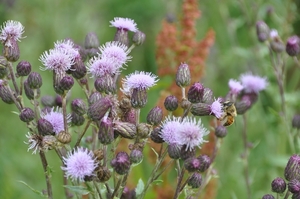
pixel 245 157
pixel 178 188
pixel 82 134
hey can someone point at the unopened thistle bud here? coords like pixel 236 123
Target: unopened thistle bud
pixel 221 131
pixel 296 121
pixel 97 110
pixel 155 135
pixel 138 38
pixel 27 115
pixel 294 186
pixel 78 70
pixel 23 68
pixel 205 162
pixel 103 174
pixel 195 93
pixel 34 80
pixel 278 185
pixel 45 127
pixel 136 156
pixel 174 151
pixel 262 31
pixel 276 43
pixel 105 84
pixel 195 180
pixel 28 91
pixel 171 103
pixel 293 46
pixel 79 106
pixel 125 129
pixel 106 131
pixel 268 196
pixel 94 97
pixel 64 137
pixel 3 62
pixel 183 75
pixel 77 120
pixel 242 106
pixel 292 169
pixel 192 164
pixel 99 154
pixel 130 116
pixel 139 97
pixel 66 83
pixel 91 41
pixel 11 52
pixel 121 163
pixel 5 95
pixel 208 96
pixel 155 116
pixel 200 109
pixel 143 130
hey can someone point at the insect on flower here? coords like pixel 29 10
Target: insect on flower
pixel 229 109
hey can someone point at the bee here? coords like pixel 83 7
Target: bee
pixel 229 110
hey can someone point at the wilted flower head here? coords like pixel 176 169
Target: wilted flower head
pixel 79 164
pixel 169 130
pixel 115 51
pixel 100 67
pixel 216 108
pixel 11 31
pixel 140 80
pixel 37 142
pixel 56 118
pixel 124 23
pixel 235 86
pixel 253 83
pixel 191 133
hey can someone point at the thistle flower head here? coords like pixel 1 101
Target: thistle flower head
pixel 11 31
pixel 39 143
pixel 100 67
pixel 253 83
pixel 191 133
pixel 139 80
pixel 169 130
pixel 116 51
pixel 56 118
pixel 216 108
pixel 79 164
pixel 235 86
pixel 57 60
pixel 273 34
pixel 123 23
pixel 68 47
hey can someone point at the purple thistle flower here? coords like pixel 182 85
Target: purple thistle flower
pixel 235 86
pixel 124 23
pixel 116 51
pixel 57 60
pixel 56 118
pixel 100 67
pixel 67 46
pixel 79 164
pixel 191 133
pixel 169 130
pixel 216 108
pixel 140 80
pixel 11 31
pixel 253 83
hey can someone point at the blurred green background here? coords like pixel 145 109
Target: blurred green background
pixel 236 50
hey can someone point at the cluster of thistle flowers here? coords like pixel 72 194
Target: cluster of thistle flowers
pixel 111 118
pixel 291 184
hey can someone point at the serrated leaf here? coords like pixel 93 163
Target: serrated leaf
pixel 139 187
pixel 78 189
pixel 33 190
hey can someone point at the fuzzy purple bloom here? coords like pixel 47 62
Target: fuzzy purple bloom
pixel 253 83
pixel 124 23
pixel 11 31
pixel 56 118
pixel 79 164
pixel 191 133
pixel 169 130
pixel 68 47
pixel 235 86
pixel 115 51
pixel 100 67
pixel 216 108
pixel 140 80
